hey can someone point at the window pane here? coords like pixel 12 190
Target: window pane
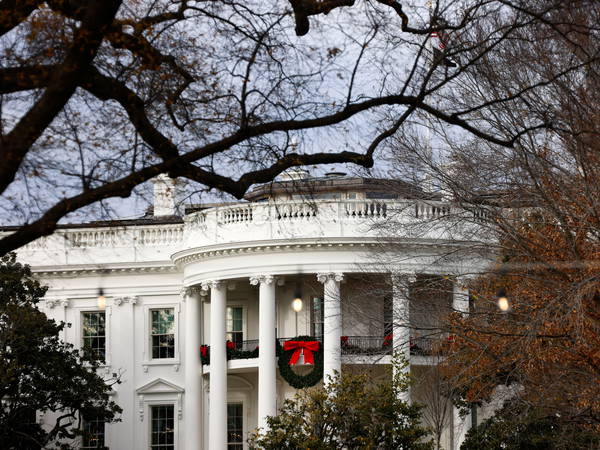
pixel 94 334
pixel 163 333
pixel 388 318
pixel 235 426
pixel 163 321
pixel 317 317
pixel 162 432
pixel 235 325
pixel 93 433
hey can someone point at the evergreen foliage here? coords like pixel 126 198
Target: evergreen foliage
pixel 39 372
pixel 350 411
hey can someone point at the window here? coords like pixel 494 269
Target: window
pixel 316 317
pixel 163 333
pixel 163 427
pixel 94 334
pixel 93 433
pixel 25 423
pixel 235 323
pixel 388 316
pixel 235 426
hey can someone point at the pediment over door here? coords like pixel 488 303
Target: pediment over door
pixel 159 386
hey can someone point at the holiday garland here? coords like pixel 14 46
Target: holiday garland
pixel 287 358
pixel 232 353
pixel 294 379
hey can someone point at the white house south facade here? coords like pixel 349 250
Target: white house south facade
pixel 189 299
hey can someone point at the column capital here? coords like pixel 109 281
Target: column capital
pixel 191 291
pixel 463 278
pixel 118 301
pixel 57 302
pixel 322 277
pixel 261 279
pixel 212 284
pixel 404 277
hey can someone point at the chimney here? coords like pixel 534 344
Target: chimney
pixel 167 196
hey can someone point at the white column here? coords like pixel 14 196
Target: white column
pixel 460 303
pixel 217 423
pixel 401 318
pixel 122 328
pixel 332 324
pixel 460 297
pixel 267 391
pixel 193 367
pixel 460 427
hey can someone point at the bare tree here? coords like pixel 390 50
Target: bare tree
pixel 535 206
pixel 98 97
pixel 434 391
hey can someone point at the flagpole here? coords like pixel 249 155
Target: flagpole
pixel 428 133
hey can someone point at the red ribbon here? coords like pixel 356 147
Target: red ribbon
pixel 306 347
pixel 387 340
pixel 203 350
pixel 230 345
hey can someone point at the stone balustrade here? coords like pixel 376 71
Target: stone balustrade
pixel 260 221
pixel 329 219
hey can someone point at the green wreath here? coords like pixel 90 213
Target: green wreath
pixel 301 381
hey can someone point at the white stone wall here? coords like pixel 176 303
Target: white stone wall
pixel 146 266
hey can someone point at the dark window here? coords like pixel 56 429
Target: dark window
pixel 163 333
pixel 388 316
pixel 94 334
pixel 93 433
pixel 235 426
pixel 380 195
pixel 235 325
pixel 25 423
pixel 163 428
pixel 316 317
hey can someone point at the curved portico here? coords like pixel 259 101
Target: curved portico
pixel 268 245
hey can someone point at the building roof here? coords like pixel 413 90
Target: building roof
pixel 338 182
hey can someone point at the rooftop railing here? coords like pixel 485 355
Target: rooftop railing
pixel 272 220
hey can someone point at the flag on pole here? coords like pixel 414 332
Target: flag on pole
pixel 440 44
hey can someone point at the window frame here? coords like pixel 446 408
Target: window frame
pixel 157 392
pixel 154 335
pixel 312 316
pixel 241 403
pixel 104 434
pixel 242 394
pixel 83 337
pixel 157 403
pixel 147 359
pixel 244 330
pixel 78 312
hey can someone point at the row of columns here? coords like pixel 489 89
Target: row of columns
pixel 267 394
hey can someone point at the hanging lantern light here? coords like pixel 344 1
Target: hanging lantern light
pixel 503 303
pixel 101 300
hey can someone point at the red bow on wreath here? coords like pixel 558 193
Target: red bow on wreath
pixel 203 350
pixel 306 347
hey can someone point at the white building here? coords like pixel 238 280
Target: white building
pixel 230 272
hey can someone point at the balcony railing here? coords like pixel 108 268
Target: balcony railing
pixel 358 346
pixel 247 346
pixel 375 345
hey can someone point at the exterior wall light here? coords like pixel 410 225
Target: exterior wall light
pixel 297 304
pixel 101 300
pixel 503 303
